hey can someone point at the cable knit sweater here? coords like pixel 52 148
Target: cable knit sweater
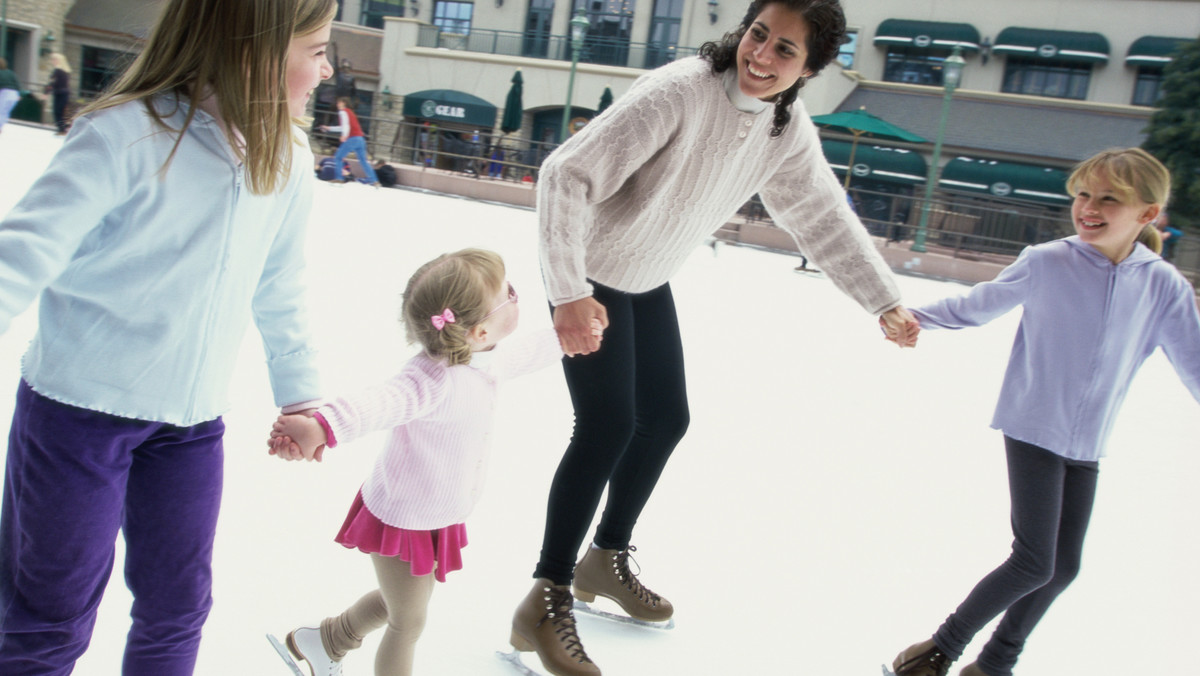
pixel 431 472
pixel 627 199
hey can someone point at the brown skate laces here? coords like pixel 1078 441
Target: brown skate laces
pixel 558 610
pixel 621 569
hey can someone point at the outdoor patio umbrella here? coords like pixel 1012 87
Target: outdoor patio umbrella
pixel 512 105
pixel 861 123
pixel 606 100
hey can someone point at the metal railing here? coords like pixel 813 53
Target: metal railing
pixel 496 156
pixel 961 226
pixel 596 49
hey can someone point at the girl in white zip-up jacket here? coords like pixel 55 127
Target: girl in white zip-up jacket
pixel 173 215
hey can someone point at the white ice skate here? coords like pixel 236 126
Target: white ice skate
pixel 285 655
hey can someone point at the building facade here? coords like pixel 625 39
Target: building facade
pixel 1045 84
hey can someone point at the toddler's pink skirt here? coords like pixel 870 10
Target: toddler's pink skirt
pixel 364 531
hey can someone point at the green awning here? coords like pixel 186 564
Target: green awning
pixel 1152 50
pixel 1006 179
pixel 448 105
pixel 1052 45
pixel 879 163
pixel 931 34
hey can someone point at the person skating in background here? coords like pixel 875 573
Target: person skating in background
pixel 621 205
pixel 59 89
pixel 10 91
pixel 1169 234
pixel 173 214
pixel 1095 306
pixel 408 515
pixel 352 139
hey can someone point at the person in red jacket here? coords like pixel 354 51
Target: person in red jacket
pixel 352 140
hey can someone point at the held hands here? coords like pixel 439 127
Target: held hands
pixel 900 326
pixel 580 325
pixel 297 437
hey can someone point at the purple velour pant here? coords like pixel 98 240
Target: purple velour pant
pixel 73 478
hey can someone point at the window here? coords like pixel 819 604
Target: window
pixel 537 28
pixel 914 65
pixel 847 50
pixel 99 67
pixel 453 17
pixel 608 35
pixel 1148 89
pixel 373 11
pixel 664 32
pixel 1040 78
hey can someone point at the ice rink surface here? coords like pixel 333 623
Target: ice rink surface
pixel 833 501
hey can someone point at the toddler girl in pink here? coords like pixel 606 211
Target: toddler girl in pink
pixel 408 515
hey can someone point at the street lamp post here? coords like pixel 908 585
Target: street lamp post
pixel 579 27
pixel 4 28
pixel 951 74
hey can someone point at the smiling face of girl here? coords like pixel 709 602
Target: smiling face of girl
pixel 773 53
pixel 307 66
pixel 1109 219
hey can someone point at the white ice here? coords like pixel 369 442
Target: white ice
pixel 833 501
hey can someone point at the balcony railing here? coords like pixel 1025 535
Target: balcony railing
pixel 596 49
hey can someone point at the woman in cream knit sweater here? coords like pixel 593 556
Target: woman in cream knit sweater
pixel 621 206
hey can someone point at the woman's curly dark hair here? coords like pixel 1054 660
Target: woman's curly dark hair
pixel 826 34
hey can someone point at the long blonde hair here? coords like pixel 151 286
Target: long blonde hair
pixel 60 62
pixel 237 50
pixel 462 282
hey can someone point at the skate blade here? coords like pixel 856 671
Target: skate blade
pixel 587 609
pixel 285 655
pixel 513 657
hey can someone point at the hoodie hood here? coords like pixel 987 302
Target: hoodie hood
pixel 1139 257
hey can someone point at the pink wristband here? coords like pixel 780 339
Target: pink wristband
pixel 330 439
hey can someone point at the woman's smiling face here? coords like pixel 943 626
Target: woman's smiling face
pixel 773 54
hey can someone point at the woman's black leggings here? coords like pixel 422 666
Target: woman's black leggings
pixel 631 410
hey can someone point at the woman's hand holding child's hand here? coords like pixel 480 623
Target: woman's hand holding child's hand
pixel 580 325
pixel 900 326
pixel 297 437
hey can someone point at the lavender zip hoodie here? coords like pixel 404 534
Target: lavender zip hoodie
pixel 1088 326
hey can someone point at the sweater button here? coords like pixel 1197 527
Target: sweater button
pixel 741 134
pixel 749 123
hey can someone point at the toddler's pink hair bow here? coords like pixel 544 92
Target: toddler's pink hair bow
pixel 440 321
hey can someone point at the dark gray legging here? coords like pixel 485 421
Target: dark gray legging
pixel 1052 500
pixel 631 410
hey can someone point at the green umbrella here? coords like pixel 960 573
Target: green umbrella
pixel 606 100
pixel 512 105
pixel 861 123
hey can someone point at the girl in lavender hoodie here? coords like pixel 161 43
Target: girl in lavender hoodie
pixel 1096 305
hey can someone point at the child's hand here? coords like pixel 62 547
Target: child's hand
pixel 296 437
pixel 900 326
